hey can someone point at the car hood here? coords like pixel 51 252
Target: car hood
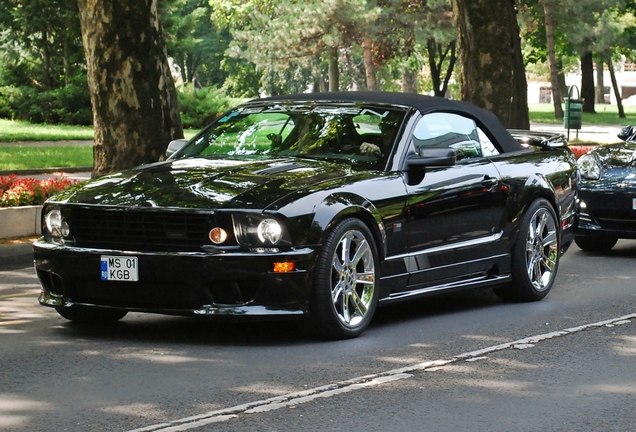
pixel 618 163
pixel 617 156
pixel 204 183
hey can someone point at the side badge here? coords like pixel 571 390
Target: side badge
pixel 397 227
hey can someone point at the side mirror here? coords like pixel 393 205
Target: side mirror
pixel 174 146
pixel 626 133
pixel 432 156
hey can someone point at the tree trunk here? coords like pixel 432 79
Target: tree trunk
pixel 563 87
pixel 369 67
pixel 617 93
pixel 492 70
pixel 135 108
pixel 554 71
pixel 587 82
pixel 600 83
pixel 334 72
pixel 409 79
pixel 435 50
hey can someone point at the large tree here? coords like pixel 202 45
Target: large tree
pixel 492 68
pixel 135 108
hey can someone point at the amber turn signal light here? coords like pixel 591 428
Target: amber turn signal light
pixel 284 267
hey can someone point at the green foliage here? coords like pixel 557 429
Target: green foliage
pixel 9 96
pixel 200 107
pixel 66 105
pixel 41 46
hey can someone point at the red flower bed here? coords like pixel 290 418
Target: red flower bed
pixel 580 149
pixel 15 191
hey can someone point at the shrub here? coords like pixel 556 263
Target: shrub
pixel 15 191
pixel 9 95
pixel 198 108
pixel 67 105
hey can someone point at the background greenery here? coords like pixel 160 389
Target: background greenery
pixel 244 48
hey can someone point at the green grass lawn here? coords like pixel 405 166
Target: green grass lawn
pixel 606 115
pixel 32 157
pixel 12 131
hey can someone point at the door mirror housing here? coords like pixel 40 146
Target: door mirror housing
pixel 175 146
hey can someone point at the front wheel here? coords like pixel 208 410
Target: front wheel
pixel 345 282
pixel 535 255
pixel 91 315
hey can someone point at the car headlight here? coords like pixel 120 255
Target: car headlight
pixel 589 166
pixel 54 224
pixel 259 230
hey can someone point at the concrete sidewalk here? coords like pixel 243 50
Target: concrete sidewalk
pixel 592 133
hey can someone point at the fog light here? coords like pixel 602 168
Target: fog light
pixel 284 267
pixel 218 235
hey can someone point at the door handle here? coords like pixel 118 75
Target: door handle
pixel 489 182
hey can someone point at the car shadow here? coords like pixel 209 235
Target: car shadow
pixel 623 249
pixel 209 331
pixel 443 304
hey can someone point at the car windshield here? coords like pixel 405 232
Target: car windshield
pixel 353 133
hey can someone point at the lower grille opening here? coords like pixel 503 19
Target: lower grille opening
pixel 51 282
pixel 233 293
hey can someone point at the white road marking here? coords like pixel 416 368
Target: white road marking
pixel 330 390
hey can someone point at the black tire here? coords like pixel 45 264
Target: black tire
pixel 345 282
pixel 535 255
pixel 595 243
pixel 87 315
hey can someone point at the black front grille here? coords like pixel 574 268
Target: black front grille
pixel 140 230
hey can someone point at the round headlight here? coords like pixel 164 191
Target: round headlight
pixel 55 224
pixel 589 166
pixel 269 231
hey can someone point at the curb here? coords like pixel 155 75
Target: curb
pixel 18 222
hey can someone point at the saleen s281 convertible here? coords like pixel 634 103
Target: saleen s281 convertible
pixel 319 207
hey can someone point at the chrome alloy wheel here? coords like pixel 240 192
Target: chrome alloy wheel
pixel 542 249
pixel 352 278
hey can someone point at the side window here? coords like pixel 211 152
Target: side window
pixel 487 147
pixel 448 130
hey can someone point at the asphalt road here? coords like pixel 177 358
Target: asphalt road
pixel 463 362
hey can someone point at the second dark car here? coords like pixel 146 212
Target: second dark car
pixel 317 207
pixel 608 194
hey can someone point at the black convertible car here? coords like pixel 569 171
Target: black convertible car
pixel 319 207
pixel 608 194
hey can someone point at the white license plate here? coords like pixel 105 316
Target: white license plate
pixel 633 203
pixel 120 268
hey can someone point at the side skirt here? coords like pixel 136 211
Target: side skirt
pixel 470 283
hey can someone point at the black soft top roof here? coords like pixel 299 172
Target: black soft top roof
pixel 424 104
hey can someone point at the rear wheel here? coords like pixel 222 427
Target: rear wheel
pixel 595 243
pixel 91 315
pixel 345 291
pixel 535 256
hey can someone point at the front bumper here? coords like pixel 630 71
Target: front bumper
pixel 608 213
pixel 192 283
